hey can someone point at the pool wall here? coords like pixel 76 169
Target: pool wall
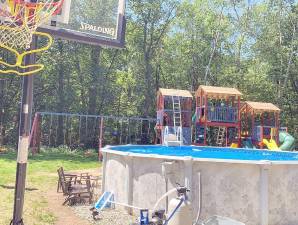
pixel 253 192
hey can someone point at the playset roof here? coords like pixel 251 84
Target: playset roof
pixel 218 92
pixel 174 92
pixel 260 107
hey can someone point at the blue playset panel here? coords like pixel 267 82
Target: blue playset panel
pixel 186 135
pixel 256 136
pixel 284 129
pixel 220 114
pixel 199 134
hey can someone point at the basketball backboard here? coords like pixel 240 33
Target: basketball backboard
pixel 97 22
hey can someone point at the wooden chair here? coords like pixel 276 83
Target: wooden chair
pixel 73 178
pixel 75 189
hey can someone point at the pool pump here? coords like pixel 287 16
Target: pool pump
pixel 180 211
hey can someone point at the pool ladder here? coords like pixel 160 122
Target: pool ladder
pixel 170 139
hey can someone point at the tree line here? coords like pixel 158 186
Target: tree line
pixel 250 45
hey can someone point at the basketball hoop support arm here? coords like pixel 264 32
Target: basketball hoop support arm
pixel 23 144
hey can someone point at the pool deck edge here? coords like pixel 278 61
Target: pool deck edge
pixel 108 149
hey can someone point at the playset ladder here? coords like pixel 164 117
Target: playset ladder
pixel 221 136
pixel 175 138
pixel 177 111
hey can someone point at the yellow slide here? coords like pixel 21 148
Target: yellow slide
pixel 271 144
pixel 234 145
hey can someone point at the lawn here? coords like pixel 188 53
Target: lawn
pixel 42 170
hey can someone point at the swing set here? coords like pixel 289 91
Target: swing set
pixel 88 131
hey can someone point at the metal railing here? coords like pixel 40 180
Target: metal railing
pixel 220 114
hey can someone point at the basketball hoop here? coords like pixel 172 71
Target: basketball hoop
pixel 19 20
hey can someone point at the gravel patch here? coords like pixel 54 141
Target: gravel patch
pixel 106 217
pixel 116 216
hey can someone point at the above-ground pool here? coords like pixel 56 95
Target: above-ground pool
pixel 208 153
pixel 253 186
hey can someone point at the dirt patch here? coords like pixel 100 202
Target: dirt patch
pixel 64 214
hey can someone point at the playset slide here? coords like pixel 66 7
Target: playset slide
pixel 247 144
pixel 271 144
pixel 234 145
pixel 287 141
pixel 194 118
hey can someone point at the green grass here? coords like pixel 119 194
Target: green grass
pixel 41 173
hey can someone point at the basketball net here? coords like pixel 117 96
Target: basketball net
pixel 19 20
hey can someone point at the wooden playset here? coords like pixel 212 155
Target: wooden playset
pixel 173 116
pixel 220 119
pixel 260 122
pixel 218 108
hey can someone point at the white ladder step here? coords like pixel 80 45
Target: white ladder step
pixel 177 118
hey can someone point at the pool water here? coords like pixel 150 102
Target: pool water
pixel 209 152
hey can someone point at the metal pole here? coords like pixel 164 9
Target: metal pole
pixel 80 125
pixel 120 137
pixel 70 134
pixel 100 156
pixel 86 132
pixel 129 138
pixel 50 131
pixel 23 144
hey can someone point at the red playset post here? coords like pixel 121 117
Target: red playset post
pixel 35 134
